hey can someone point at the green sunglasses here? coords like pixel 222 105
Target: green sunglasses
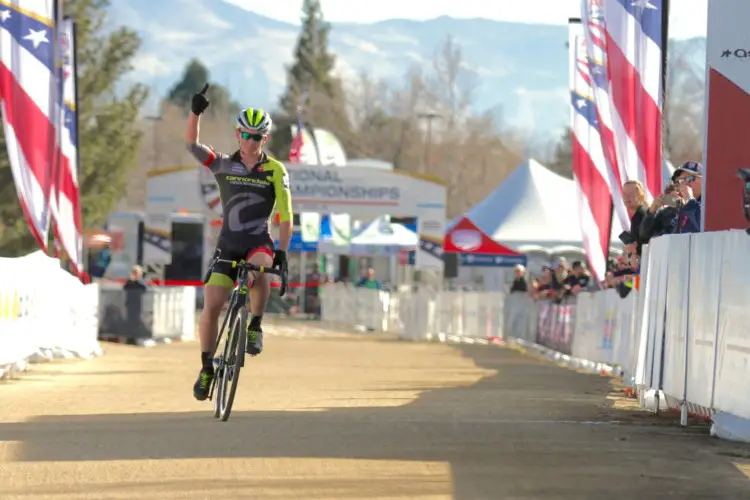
pixel 256 137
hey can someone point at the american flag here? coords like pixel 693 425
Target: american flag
pixel 590 167
pixel 632 34
pixel 594 56
pixel 66 208
pixel 295 150
pixel 29 93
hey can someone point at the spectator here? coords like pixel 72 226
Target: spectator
pixel 136 280
pixel 135 288
pixel 519 282
pixel 579 279
pixel 368 281
pixel 561 272
pixel 534 288
pixel 623 276
pixel 634 197
pixel 560 275
pixel 662 214
pixel 690 177
pixel 546 288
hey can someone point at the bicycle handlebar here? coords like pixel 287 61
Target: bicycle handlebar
pixel 252 267
pixel 280 272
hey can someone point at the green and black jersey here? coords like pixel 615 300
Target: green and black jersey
pixel 248 197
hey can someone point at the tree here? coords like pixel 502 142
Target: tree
pixel 683 127
pixel 313 65
pixel 311 84
pixel 562 161
pixel 193 78
pixel 108 132
pixel 471 151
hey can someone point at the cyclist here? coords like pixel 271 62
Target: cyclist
pixel 250 184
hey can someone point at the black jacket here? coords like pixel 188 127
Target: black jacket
pixel 635 225
pixel 663 221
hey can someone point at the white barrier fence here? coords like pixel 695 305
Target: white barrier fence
pixel 154 315
pixel 416 315
pixel 44 313
pixel 683 338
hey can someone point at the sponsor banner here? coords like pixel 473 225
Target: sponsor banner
pixel 475 260
pixel 556 323
pixel 157 239
pixel 466 237
pixel 483 260
pixel 728 100
pixel 429 253
pixel 310 226
pixel 361 191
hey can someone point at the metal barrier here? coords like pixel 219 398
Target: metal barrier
pixel 682 342
pixel 416 314
pixel 155 313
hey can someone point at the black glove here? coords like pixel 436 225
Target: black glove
pixel 200 102
pixel 279 258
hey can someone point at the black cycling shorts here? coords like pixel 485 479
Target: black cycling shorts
pixel 223 274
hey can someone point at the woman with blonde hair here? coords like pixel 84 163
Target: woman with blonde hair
pixel 634 196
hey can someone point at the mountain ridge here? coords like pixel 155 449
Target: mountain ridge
pixel 522 68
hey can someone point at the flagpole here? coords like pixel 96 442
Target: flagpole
pixel 77 166
pixel 57 152
pixel 664 50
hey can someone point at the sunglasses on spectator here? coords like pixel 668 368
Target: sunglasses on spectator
pixel 248 136
pixel 691 179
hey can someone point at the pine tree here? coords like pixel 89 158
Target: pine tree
pixel 562 162
pixel 313 65
pixel 193 79
pixel 108 131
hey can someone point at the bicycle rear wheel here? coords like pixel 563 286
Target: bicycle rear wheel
pixel 232 360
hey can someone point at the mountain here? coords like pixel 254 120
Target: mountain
pixel 521 68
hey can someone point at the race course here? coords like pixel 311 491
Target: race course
pixel 347 417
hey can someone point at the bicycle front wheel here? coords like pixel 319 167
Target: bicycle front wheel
pixel 233 361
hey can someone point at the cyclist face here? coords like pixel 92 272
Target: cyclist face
pixel 250 142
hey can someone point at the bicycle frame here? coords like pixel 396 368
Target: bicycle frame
pixel 240 296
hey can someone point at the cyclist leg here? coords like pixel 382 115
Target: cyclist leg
pixel 217 289
pixel 259 294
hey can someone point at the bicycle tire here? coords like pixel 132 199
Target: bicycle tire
pixel 217 389
pixel 233 363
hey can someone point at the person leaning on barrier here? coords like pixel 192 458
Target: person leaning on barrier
pixel 578 280
pixel 690 178
pixel 369 281
pixel 546 288
pixel 519 281
pixel 623 276
pixel 135 282
pixel 135 288
pixel 662 214
pixel 634 196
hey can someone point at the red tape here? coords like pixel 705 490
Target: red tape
pixel 198 283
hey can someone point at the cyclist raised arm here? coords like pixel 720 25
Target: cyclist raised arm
pixel 250 184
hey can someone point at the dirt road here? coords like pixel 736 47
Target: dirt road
pixel 345 418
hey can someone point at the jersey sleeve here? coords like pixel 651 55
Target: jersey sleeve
pixel 206 155
pixel 283 192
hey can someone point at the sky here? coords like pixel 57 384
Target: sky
pixel 687 17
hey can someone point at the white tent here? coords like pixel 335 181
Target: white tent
pixel 379 237
pixel 533 206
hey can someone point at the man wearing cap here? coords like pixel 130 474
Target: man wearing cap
pixel 690 177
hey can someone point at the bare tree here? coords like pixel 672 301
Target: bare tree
pixel 684 106
pixel 163 145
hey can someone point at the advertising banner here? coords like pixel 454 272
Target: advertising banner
pixel 726 129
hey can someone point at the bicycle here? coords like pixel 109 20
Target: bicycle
pixel 227 365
